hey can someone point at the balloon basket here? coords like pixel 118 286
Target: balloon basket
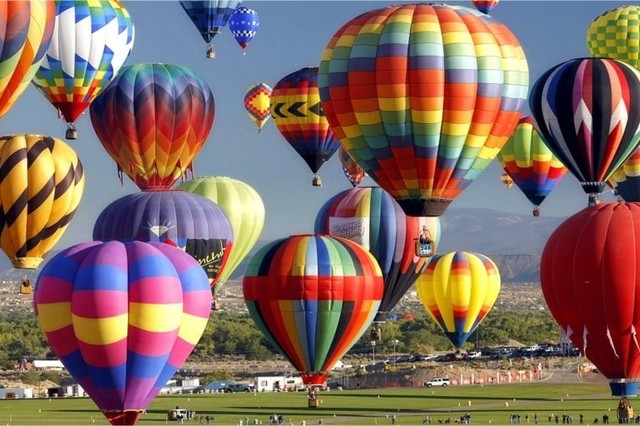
pixel 119 417
pixel 71 134
pixel 317 181
pixel 211 54
pixel 623 389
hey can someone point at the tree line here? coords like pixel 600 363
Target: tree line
pixel 236 335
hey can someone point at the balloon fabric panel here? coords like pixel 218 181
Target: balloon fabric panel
pixel 417 103
pixel 153 119
pixel 592 288
pixel 91 41
pixel 41 185
pixel 298 115
pixel 315 296
pixel 114 313
pixel 588 114
pixel 26 33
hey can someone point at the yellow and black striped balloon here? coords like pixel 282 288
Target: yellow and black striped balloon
pixel 41 184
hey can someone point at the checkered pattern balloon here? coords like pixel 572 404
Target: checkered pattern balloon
pixel 244 24
pixel 616 34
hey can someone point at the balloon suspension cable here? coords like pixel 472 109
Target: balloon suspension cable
pixel 72 132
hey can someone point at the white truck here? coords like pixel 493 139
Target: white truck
pixel 438 381
pixel 278 384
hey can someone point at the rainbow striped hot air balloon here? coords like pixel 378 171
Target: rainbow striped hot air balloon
pixel 423 96
pixel 91 41
pixel 122 318
pixel 27 26
pixel 41 185
pixel 530 163
pixel 313 296
pixel 153 119
pixel 372 218
pixel 458 290
pixel 626 180
pixel 298 115
pixel 256 102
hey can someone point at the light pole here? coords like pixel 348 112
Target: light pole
pixel 395 343
pixel 373 351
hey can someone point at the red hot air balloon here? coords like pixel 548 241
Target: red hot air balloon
pixel 153 119
pixel 590 281
pixel 122 318
pixel 313 296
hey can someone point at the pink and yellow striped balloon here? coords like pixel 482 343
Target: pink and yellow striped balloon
pixel 458 290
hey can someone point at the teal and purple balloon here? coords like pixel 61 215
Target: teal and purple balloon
pixel 190 221
pixel 122 318
pixel 244 24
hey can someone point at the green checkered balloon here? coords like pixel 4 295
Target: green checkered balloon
pixel 616 34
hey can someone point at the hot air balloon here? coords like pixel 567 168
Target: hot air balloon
pixel 372 218
pixel 485 6
pixel 587 111
pixel 243 25
pixel 506 180
pixel 626 180
pixel 614 34
pixel 27 26
pixel 589 280
pixel 313 296
pixel 90 43
pixel 191 222
pixel 458 290
pixel 423 119
pixel 210 17
pixel 298 115
pixel 41 184
pixel 256 102
pixel 243 207
pixel 352 171
pixel 153 119
pixel 531 164
pixel 122 318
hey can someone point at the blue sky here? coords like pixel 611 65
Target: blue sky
pixel 292 35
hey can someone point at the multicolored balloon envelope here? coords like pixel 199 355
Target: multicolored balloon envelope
pixel 210 17
pixel 374 220
pixel 193 223
pixel 587 111
pixel 257 100
pixel 298 115
pixel 458 290
pixel 423 96
pixel 91 41
pixel 243 207
pixel 485 6
pixel 351 169
pixel 615 33
pixel 41 185
pixel 590 281
pixel 153 119
pixel 313 296
pixel 530 163
pixel 27 26
pixel 626 180
pixel 122 318
pixel 244 24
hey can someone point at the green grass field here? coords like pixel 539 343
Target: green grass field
pixel 490 404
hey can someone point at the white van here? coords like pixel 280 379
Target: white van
pixel 438 381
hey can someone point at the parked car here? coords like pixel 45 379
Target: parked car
pixel 474 354
pixel 238 387
pixel 438 381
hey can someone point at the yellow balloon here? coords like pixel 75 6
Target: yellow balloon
pixel 614 34
pixel 458 290
pixel 41 184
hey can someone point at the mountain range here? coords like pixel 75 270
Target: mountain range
pixel 514 242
